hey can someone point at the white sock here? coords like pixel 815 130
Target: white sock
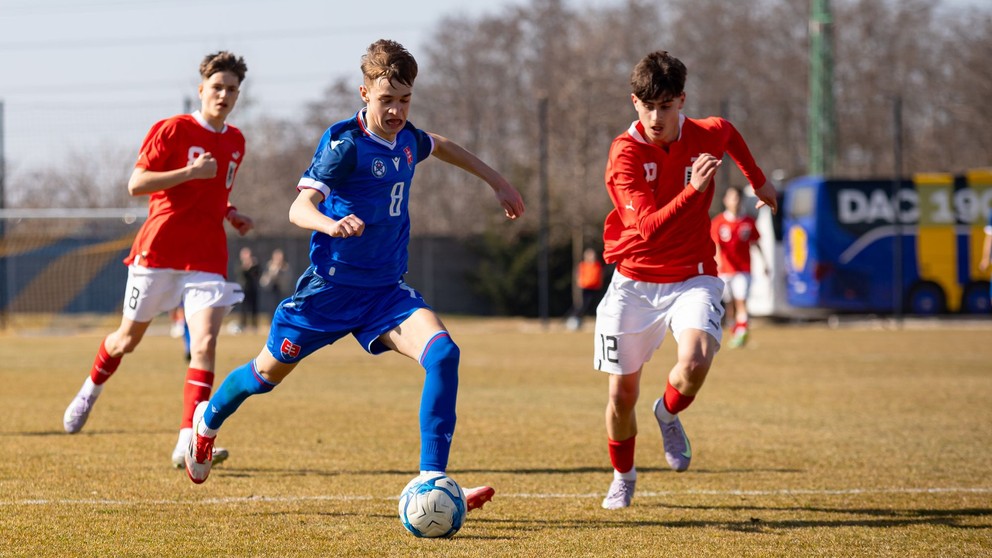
pixel 203 430
pixel 662 413
pixel 184 435
pixel 630 475
pixel 422 473
pixel 90 389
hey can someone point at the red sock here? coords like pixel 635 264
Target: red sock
pixel 622 454
pixel 675 402
pixel 198 386
pixel 104 365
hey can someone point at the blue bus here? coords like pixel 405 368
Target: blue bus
pixel 841 239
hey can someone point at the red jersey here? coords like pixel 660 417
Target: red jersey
pixel 185 226
pixel 659 229
pixel 734 236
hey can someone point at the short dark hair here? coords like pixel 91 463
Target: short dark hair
pixel 388 59
pixel 658 75
pixel 223 61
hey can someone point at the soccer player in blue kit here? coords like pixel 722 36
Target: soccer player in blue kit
pixel 354 197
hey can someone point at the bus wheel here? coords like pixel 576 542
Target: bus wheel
pixel 975 298
pixel 926 297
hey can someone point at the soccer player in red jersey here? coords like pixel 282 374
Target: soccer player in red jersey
pixel 659 176
pixel 734 233
pixel 187 165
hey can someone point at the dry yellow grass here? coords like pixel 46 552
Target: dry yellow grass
pixel 809 442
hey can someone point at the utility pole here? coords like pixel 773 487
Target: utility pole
pixel 822 135
pixel 543 272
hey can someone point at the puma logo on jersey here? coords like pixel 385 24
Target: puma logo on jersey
pixel 335 144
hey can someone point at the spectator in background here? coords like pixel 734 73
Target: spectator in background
pixel 277 278
pixel 734 233
pixel 589 279
pixel 249 275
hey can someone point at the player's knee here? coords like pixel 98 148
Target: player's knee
pixel 123 344
pixel 441 353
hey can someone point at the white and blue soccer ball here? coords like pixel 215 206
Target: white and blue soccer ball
pixel 433 505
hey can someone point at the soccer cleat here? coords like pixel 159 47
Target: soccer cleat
pixel 619 495
pixel 200 451
pixel 77 412
pixel 678 451
pixel 478 496
pixel 739 339
pixel 179 452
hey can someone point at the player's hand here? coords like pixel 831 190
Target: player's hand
pixel 510 200
pixel 348 226
pixel 204 166
pixel 703 169
pixel 984 264
pixel 767 196
pixel 241 222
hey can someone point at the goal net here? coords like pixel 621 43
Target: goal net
pixel 61 270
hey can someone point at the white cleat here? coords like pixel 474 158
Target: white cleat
pixel 78 411
pixel 179 452
pixel 619 495
pixel 678 451
pixel 200 451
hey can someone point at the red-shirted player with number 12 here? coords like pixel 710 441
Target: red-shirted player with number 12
pixel 186 166
pixel 659 176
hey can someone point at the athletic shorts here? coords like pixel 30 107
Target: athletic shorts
pixel 633 317
pixel 319 313
pixel 738 286
pixel 152 291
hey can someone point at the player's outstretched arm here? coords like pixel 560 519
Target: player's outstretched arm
pixel 452 153
pixel 305 214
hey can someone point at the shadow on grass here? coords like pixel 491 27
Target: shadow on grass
pixel 267 471
pixel 954 518
pixel 84 434
pixel 844 517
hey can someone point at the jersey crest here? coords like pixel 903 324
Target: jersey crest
pixel 378 168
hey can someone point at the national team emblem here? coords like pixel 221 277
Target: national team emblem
pixel 378 168
pixel 289 349
pixel 409 156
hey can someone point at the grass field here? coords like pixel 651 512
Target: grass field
pixel 809 442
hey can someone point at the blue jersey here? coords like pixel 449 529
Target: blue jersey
pixel 361 173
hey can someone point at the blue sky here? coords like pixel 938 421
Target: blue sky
pixel 93 75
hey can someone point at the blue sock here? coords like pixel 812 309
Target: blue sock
pixel 437 403
pixel 240 384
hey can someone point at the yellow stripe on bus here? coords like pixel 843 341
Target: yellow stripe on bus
pixel 936 242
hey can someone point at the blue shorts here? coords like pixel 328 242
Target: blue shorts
pixel 319 313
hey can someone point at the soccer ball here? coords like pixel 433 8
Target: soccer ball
pixel 432 505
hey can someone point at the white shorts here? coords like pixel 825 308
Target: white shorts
pixel 153 291
pixel 633 317
pixel 738 286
